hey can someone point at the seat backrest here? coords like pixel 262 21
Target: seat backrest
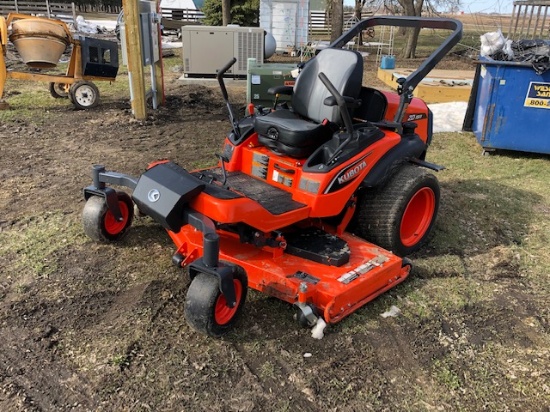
pixel 344 68
pixel 373 105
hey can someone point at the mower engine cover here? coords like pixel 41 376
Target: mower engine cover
pixel 163 191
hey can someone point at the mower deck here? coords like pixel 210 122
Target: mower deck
pixel 336 291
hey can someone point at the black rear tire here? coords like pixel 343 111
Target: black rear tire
pixel 59 90
pixel 400 216
pixel 100 224
pixel 205 306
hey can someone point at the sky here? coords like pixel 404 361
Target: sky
pixel 487 6
pixel 477 6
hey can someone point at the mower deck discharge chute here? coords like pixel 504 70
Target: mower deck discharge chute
pixel 305 203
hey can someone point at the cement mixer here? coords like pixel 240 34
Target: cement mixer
pixel 41 42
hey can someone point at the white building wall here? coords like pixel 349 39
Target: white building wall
pixel 287 21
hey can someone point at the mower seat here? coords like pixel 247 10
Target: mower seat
pixel 297 132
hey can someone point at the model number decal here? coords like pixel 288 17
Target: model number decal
pixel 419 116
pixel 361 270
pixel 538 95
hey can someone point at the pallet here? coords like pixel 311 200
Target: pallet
pixel 439 87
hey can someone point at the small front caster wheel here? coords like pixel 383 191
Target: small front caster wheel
pixel 206 308
pixel 100 224
pixel 306 316
pixel 84 95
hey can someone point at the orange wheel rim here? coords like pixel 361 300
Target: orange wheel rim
pixel 223 313
pixel 113 226
pixel 417 217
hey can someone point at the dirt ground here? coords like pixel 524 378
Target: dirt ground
pixel 89 327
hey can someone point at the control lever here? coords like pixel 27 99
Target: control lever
pixel 223 160
pixel 232 117
pixel 345 115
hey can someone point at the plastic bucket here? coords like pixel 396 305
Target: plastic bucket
pixel 388 62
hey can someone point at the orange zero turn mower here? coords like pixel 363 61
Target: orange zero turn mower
pixel 318 204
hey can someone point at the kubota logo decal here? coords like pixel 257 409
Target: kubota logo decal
pixel 347 175
pixel 351 173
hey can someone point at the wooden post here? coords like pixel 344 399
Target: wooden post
pixel 544 20
pixel 3 70
pixel 511 20
pixel 159 68
pixel 539 10
pixel 530 20
pixel 74 16
pixel 523 20
pixel 135 58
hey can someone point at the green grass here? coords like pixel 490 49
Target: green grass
pixel 501 198
pixel 446 375
pixel 34 247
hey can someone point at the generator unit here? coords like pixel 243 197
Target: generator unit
pixel 207 48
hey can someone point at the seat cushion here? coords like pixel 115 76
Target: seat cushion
pixel 286 132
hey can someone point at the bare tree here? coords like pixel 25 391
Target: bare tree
pixel 358 11
pixel 360 5
pixel 336 18
pixel 226 12
pixel 416 8
pixel 411 8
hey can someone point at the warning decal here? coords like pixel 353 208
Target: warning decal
pixel 538 95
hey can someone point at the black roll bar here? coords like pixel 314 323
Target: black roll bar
pixel 407 88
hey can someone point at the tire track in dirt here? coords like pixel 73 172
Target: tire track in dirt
pixel 34 379
pixel 295 388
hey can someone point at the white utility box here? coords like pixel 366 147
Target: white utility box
pixel 206 49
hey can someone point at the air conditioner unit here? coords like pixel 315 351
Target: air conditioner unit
pixel 206 49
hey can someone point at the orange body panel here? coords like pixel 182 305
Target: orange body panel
pixel 273 273
pixel 417 111
pixel 319 204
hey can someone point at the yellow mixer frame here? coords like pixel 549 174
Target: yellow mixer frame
pixel 67 85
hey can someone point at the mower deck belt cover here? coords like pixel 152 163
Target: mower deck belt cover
pixel 163 191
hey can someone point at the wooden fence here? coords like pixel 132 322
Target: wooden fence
pixel 319 21
pixel 321 26
pixel 61 11
pixel 174 19
pixel 182 14
pixel 98 8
